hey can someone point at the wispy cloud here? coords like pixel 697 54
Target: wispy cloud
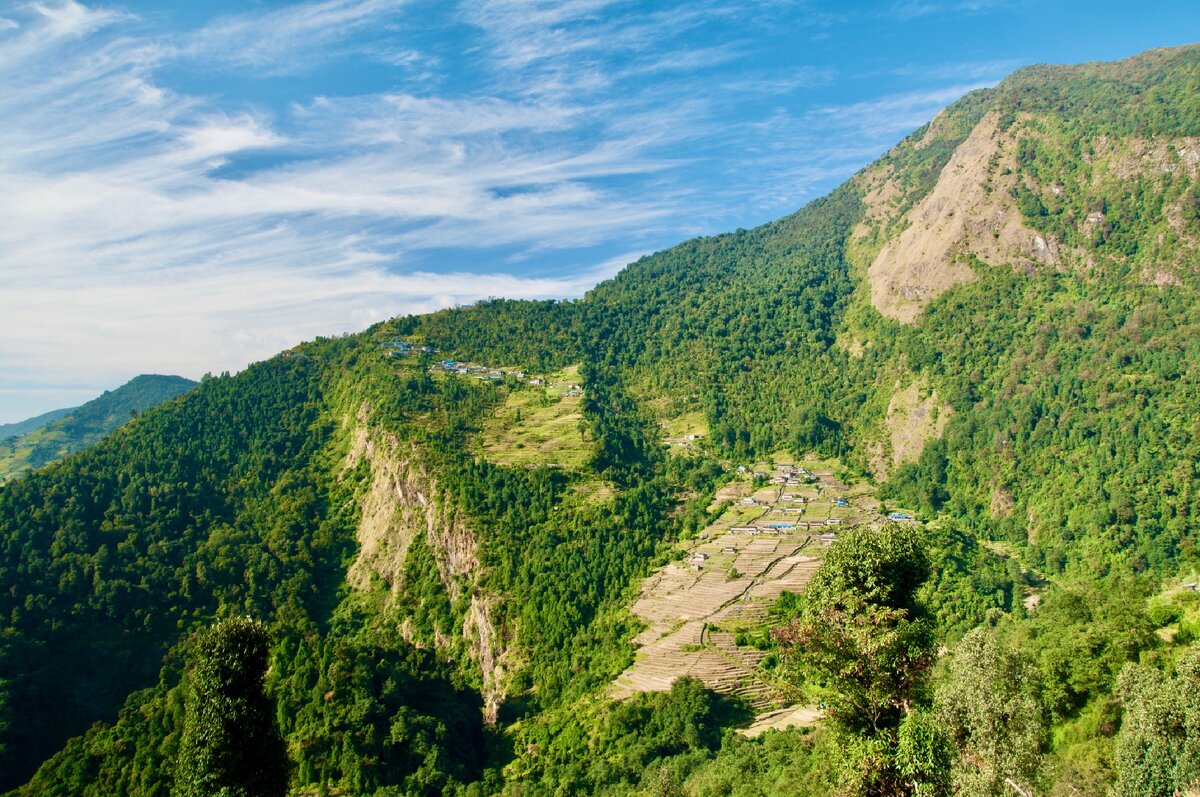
pixel 987 70
pixel 149 228
pixel 888 116
pixel 292 38
pixel 588 46
pixel 129 247
pixel 911 9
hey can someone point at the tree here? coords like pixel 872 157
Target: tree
pixel 990 707
pixel 1158 750
pixel 231 746
pixel 862 635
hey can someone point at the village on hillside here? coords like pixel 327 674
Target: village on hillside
pixel 484 373
pixel 702 610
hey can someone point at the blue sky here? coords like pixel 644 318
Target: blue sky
pixel 189 187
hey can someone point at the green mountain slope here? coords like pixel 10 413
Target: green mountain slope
pixel 996 322
pixel 19 428
pixel 52 436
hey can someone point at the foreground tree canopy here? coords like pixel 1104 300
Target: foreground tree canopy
pixel 231 745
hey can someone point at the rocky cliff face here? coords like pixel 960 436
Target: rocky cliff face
pixel 401 503
pixel 970 215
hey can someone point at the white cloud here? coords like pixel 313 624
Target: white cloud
pixel 285 40
pixel 72 20
pixel 911 9
pixel 148 229
pixel 130 247
pixel 887 116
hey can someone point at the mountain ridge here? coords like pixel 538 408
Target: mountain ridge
pixel 68 431
pixel 30 424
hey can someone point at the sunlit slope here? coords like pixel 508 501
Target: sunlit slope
pixel 997 321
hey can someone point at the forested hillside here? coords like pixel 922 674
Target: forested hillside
pixel 64 432
pixel 19 428
pixel 995 324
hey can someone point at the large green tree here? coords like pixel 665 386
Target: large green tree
pixel 990 705
pixel 862 635
pixel 231 746
pixel 1158 751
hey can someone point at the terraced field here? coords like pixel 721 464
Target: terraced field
pixel 539 426
pixel 768 541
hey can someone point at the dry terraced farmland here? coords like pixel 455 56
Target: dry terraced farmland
pixel 729 578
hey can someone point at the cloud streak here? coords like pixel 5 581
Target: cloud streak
pixel 131 248
pixel 286 40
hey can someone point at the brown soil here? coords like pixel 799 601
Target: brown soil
pixel 960 220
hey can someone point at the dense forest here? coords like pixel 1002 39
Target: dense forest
pixel 438 621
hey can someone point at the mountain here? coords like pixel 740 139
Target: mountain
pixel 993 328
pixel 50 437
pixel 28 425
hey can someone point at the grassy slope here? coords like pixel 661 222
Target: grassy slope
pixel 28 425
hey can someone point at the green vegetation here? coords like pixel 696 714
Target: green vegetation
pixel 538 426
pixel 48 438
pixel 230 743
pixel 19 428
pixel 1060 497
pixel 862 636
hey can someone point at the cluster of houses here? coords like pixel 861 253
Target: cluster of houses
pixel 687 441
pixel 792 476
pixel 480 372
pixel 785 476
pixel 402 348
pixel 785 526
pixel 792 520
pixel 486 374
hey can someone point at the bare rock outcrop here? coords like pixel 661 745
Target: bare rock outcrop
pixel 402 502
pixel 969 214
pixel 915 415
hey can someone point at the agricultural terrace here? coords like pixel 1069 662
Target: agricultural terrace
pixel 539 424
pixel 778 518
